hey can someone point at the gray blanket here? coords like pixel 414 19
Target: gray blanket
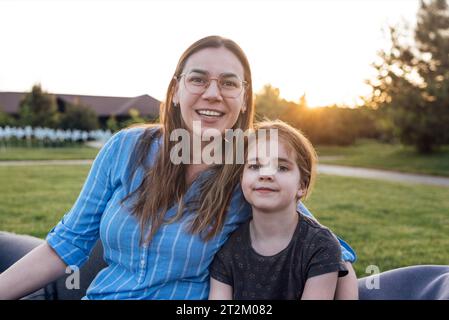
pixel 421 282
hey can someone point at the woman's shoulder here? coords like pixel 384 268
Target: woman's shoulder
pixel 137 131
pixel 127 138
pixel 123 144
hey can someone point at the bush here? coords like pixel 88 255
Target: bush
pixel 112 124
pixel 134 118
pixel 6 119
pixel 78 116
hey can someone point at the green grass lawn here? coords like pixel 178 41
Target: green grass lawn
pixel 61 153
pixel 35 198
pixel 372 154
pixel 390 225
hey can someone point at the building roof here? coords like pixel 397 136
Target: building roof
pixel 103 106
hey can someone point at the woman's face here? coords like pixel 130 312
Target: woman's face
pixel 210 108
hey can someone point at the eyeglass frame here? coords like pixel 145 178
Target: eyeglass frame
pixel 244 82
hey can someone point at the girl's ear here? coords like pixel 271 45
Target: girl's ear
pixel 300 193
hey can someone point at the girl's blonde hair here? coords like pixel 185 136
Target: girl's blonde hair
pixel 300 146
pixel 164 183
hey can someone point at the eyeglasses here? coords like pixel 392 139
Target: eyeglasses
pixel 197 82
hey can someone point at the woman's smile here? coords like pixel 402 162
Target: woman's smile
pixel 209 116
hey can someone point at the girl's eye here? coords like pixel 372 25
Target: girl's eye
pixel 253 167
pixel 283 168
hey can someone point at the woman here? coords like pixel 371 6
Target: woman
pixel 160 223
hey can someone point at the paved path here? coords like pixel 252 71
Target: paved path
pixel 44 162
pixel 322 169
pixel 383 175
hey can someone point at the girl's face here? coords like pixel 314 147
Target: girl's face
pixel 277 189
pixel 210 108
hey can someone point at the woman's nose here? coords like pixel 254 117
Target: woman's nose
pixel 212 91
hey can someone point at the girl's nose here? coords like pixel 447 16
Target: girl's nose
pixel 266 177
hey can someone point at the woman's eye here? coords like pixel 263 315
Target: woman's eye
pixel 283 168
pixel 229 84
pixel 253 166
pixel 197 80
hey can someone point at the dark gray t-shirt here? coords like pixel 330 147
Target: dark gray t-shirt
pixel 313 251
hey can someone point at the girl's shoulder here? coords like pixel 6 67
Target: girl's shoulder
pixel 312 232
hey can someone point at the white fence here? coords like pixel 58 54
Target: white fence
pixel 28 136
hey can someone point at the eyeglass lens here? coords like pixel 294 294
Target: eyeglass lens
pixel 197 83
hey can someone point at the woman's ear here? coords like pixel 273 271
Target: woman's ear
pixel 244 106
pixel 175 98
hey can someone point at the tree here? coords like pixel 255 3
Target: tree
pixel 303 101
pixel 412 82
pixel 5 119
pixel 38 109
pixel 112 124
pixel 134 118
pixel 79 116
pixel 269 103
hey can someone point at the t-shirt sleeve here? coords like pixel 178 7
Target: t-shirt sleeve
pixel 221 268
pixel 75 235
pixel 324 255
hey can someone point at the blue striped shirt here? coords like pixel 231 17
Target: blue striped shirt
pixel 175 263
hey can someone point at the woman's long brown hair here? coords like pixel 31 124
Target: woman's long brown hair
pixel 164 183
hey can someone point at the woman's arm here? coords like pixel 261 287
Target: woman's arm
pixel 321 287
pixel 347 286
pixel 35 270
pixel 219 290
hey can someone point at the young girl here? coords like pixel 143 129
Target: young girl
pixel 280 253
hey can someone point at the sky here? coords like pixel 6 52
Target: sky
pixel 322 48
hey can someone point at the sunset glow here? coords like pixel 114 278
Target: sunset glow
pixel 129 48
